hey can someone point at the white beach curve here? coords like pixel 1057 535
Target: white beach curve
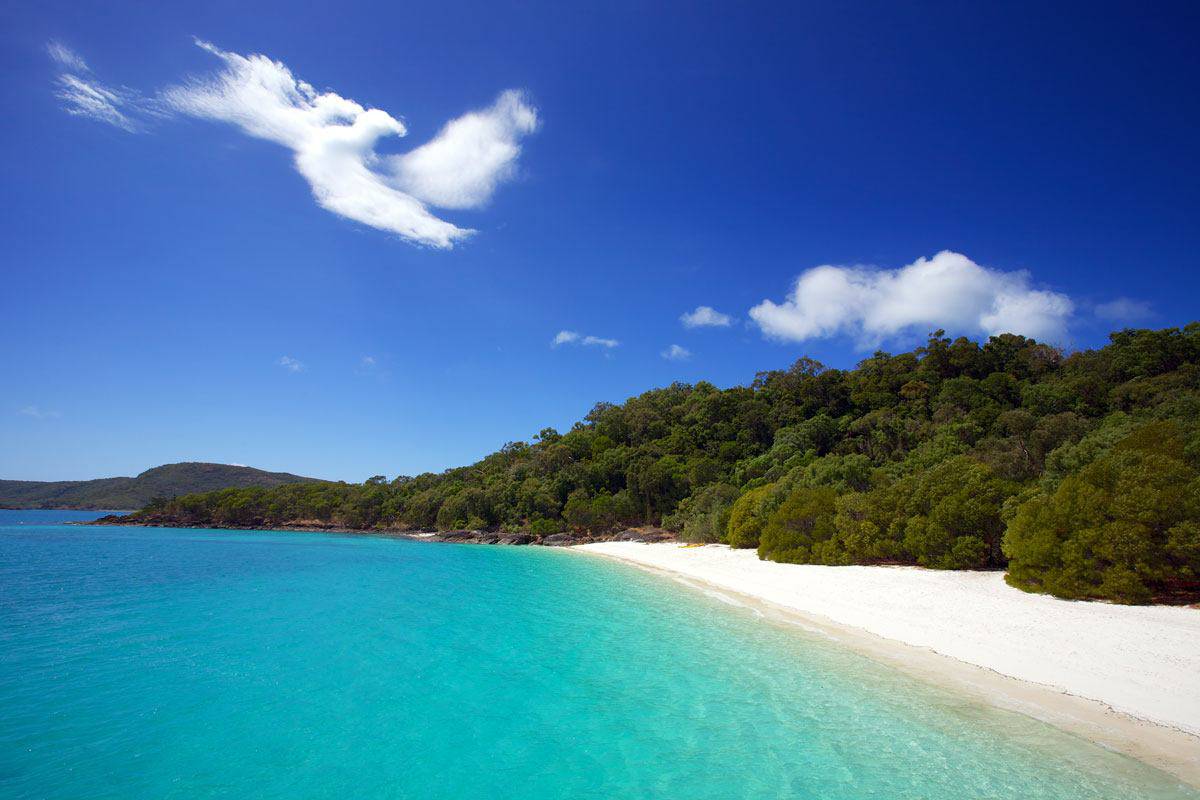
pixel 1143 661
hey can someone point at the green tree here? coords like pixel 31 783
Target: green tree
pixel 704 516
pixel 749 514
pixel 953 515
pixel 1126 527
pixel 796 531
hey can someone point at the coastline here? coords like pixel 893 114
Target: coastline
pixel 1123 677
pixel 463 536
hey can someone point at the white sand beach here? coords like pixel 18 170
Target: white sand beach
pixel 1074 663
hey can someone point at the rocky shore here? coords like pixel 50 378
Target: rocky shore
pixel 564 539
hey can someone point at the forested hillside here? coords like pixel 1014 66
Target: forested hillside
pixel 1080 473
pixel 166 481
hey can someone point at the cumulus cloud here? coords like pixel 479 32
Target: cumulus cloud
pixel 676 353
pixel 37 412
pixel 291 364
pixel 705 317
pixel 947 291
pixel 1124 310
pixel 572 337
pixel 333 141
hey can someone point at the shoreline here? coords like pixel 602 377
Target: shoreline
pixel 457 536
pixel 1086 684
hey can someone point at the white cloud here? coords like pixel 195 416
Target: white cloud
pixel 947 291
pixel 38 413
pixel 333 141
pixel 705 317
pixel 84 98
pixel 291 364
pixel 83 95
pixel 66 57
pixel 462 166
pixel 676 353
pixel 1124 309
pixel 369 365
pixel 372 367
pixel 571 337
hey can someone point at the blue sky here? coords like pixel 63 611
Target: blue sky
pixel 197 277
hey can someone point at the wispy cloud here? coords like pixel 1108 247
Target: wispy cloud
pixel 572 337
pixel 676 353
pixel 291 364
pixel 66 58
pixel 94 100
pixel 370 365
pixel 333 141
pixel 83 95
pixel 947 291
pixel 1124 310
pixel 37 412
pixel 705 317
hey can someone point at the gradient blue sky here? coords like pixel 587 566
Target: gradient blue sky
pixel 687 155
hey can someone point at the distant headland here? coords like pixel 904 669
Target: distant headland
pixel 163 482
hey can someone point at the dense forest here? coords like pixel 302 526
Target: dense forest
pixel 163 481
pixel 1079 473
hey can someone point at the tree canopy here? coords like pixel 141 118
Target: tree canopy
pixel 1078 472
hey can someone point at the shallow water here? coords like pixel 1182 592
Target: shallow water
pixel 139 663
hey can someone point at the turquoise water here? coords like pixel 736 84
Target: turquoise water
pixel 140 663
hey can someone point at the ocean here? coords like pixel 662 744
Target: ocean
pixel 149 663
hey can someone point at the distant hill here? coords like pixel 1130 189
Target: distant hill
pixel 166 481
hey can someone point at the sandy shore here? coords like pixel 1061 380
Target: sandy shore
pixel 1127 677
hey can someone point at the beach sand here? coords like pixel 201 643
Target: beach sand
pixel 1126 677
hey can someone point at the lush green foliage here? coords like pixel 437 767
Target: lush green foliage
pixel 165 481
pixel 1125 526
pixel 749 514
pixel 1078 471
pixel 799 529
